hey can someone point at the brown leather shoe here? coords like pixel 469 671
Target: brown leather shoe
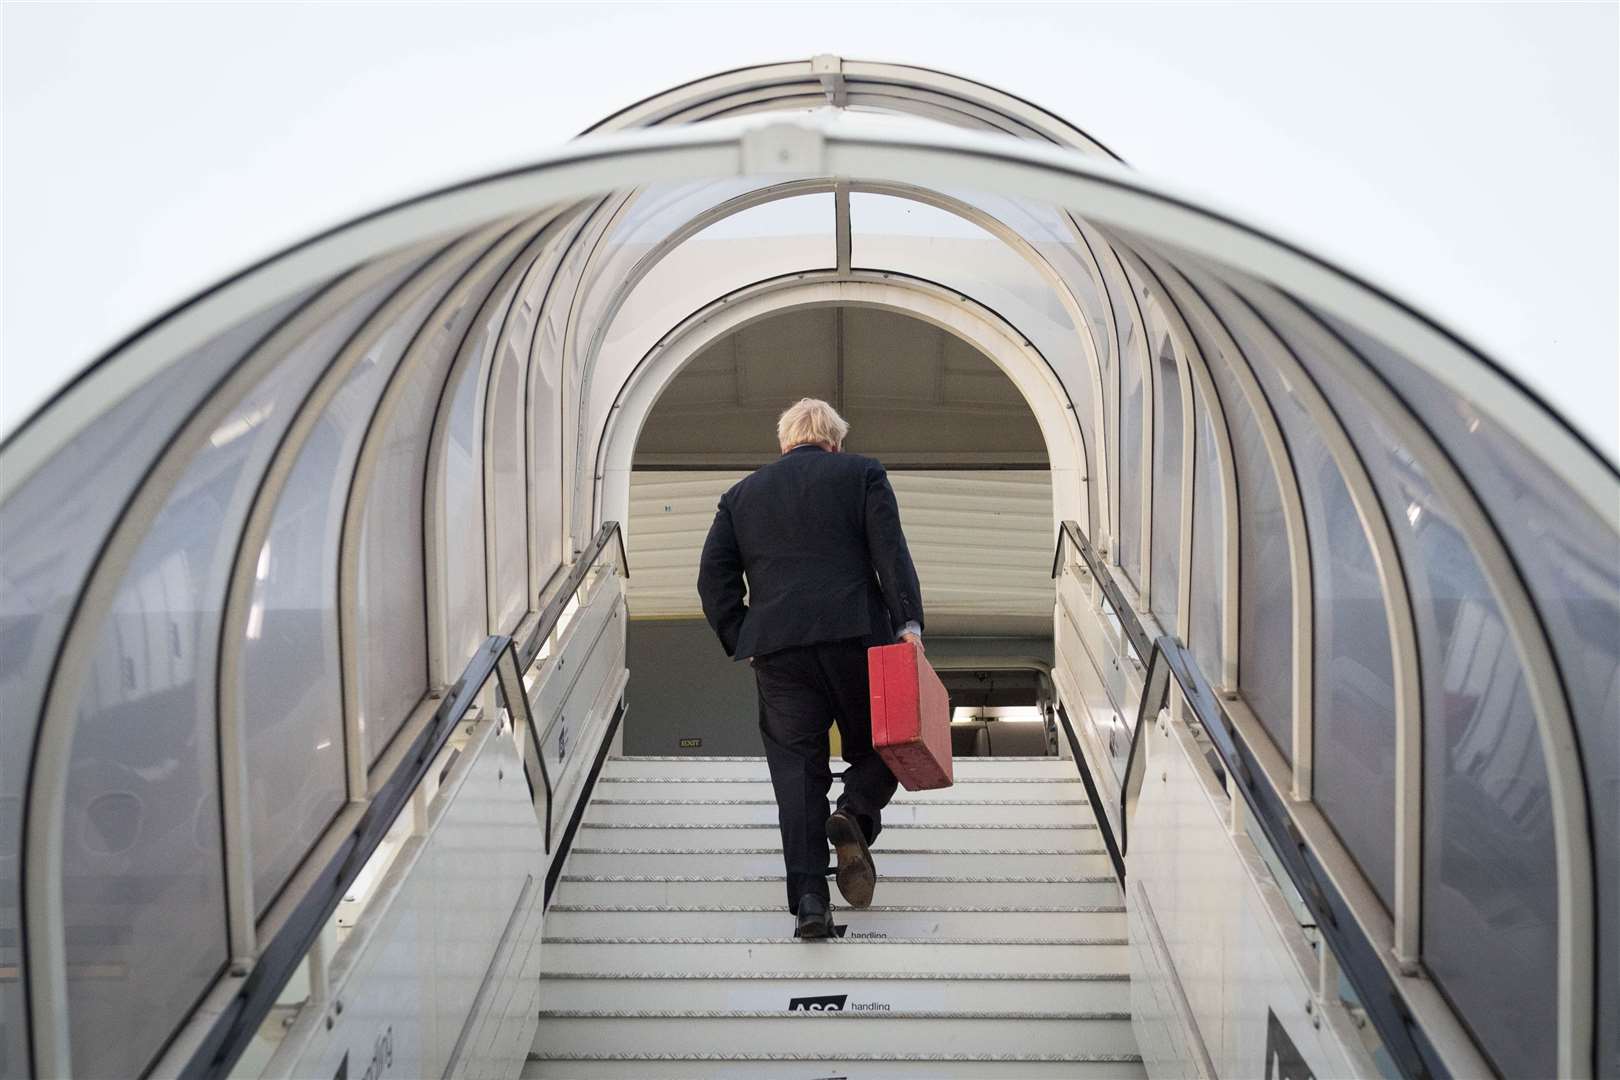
pixel 857 873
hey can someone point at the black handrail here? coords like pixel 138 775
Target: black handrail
pixel 1116 856
pixel 239 1020
pixel 1140 641
pixel 551 614
pixel 1241 774
pixel 515 697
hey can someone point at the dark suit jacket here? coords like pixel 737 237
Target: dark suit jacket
pixel 818 536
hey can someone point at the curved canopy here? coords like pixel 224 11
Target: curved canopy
pixel 1394 560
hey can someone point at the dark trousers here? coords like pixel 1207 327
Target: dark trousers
pixel 802 692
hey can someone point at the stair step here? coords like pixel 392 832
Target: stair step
pixel 997 947
pixel 760 989
pixel 854 1033
pixel 613 811
pixel 682 890
pixel 965 768
pixel 895 922
pixel 841 957
pixel 1031 789
pixel 762 1067
pixel 896 837
pixel 934 862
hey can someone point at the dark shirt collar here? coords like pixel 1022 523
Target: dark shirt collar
pixel 807 446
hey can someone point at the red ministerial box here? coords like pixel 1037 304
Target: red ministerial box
pixel 911 716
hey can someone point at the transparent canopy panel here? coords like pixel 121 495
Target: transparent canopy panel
pixel 288 697
pixel 476 321
pixel 1063 245
pixel 1133 471
pixel 1490 882
pixel 1265 586
pixel 1353 696
pixel 1569 556
pixel 53 527
pixel 143 871
pixel 1169 437
pixel 905 236
pixel 310 522
pixel 773 239
pixel 645 219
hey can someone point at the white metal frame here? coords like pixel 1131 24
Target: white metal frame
pixel 931 303
pixel 1098 502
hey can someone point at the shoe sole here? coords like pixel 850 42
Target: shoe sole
pixel 815 931
pixel 857 873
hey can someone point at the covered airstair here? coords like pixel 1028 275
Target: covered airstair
pixel 339 741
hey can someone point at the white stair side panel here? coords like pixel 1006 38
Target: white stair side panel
pixel 897 837
pixel 757 990
pixel 844 957
pixel 854 1033
pixel 564 921
pixel 761 889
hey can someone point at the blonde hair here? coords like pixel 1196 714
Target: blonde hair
pixel 810 420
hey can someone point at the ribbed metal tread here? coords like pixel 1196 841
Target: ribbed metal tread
pixel 890 854
pixel 899 825
pixel 772 802
pixel 851 1014
pixel 962 1059
pixel 752 974
pixel 843 941
pixel 605 779
pixel 1091 909
pixel 761 758
pixel 1015 879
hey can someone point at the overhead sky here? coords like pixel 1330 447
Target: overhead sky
pixel 1466 157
